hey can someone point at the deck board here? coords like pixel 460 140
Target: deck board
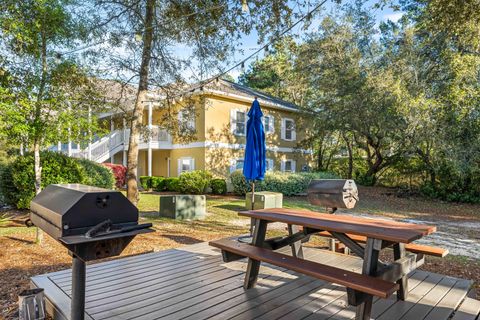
pixel 194 283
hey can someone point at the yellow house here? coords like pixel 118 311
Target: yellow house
pixel 217 143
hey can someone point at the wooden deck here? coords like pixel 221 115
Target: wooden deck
pixel 193 283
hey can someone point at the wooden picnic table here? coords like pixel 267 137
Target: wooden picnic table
pixel 377 278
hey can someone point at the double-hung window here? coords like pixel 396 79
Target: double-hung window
pixel 238 122
pixel 186 164
pixel 268 124
pixel 288 165
pixel 288 129
pixel 236 164
pixel 186 120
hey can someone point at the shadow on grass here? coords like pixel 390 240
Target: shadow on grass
pixel 231 207
pixel 20 240
pixel 182 239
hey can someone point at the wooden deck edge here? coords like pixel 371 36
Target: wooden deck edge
pixel 57 303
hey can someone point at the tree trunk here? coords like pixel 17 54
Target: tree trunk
pixel 39 129
pixel 37 167
pixel 137 119
pixel 350 155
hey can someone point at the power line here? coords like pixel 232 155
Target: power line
pixel 202 83
pixel 59 54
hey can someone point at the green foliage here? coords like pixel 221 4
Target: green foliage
pixel 219 186
pixel 146 182
pixel 96 175
pixel 172 184
pixel 194 181
pixel 240 184
pixel 158 183
pixel 287 183
pixel 17 178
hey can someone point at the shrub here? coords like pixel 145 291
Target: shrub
pixel 96 175
pixel 146 182
pixel 158 183
pixel 17 179
pixel 7 189
pixel 172 184
pixel 240 184
pixel 194 181
pixel 119 172
pixel 287 183
pixel 219 186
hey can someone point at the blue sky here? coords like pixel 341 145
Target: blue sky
pixel 249 42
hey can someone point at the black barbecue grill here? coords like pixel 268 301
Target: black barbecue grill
pixel 92 223
pixel 333 193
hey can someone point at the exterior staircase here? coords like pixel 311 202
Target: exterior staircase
pixel 116 141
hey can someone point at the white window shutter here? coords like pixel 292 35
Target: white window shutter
pixel 294 165
pixel 294 132
pixel 271 124
pixel 245 121
pixel 233 120
pixel 282 166
pixel 270 164
pixel 283 130
pixel 192 164
pixel 179 167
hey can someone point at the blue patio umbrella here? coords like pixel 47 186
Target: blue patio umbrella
pixel 255 162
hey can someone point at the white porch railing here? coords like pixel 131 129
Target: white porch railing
pixel 105 147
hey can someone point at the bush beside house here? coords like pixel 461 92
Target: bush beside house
pixel 119 172
pixel 218 186
pixel 194 182
pixel 17 178
pixel 289 184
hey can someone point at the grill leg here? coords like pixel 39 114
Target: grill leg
pixel 78 288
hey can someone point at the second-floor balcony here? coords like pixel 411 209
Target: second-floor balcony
pixel 117 141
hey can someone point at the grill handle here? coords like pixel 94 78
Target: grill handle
pixel 104 229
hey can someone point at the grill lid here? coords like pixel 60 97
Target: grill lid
pixel 72 208
pixel 333 193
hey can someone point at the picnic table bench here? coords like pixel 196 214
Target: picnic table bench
pixel 377 278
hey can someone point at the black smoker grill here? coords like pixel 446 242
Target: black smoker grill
pixel 333 193
pixel 92 223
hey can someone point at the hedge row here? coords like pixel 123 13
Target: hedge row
pixel 193 182
pixel 17 178
pixel 289 184
pixel 160 183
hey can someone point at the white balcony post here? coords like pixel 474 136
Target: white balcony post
pixel 59 146
pixel 69 145
pixel 125 142
pixel 112 128
pixel 150 114
pixel 21 149
pixel 89 135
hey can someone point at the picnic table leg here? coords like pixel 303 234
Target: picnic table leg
pixel 400 252
pixel 254 265
pixel 297 250
pixel 370 263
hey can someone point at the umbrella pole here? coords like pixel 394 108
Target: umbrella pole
pixel 252 221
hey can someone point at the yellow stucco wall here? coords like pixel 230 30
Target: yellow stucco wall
pixel 219 160
pixel 197 153
pixel 217 122
pixel 160 162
